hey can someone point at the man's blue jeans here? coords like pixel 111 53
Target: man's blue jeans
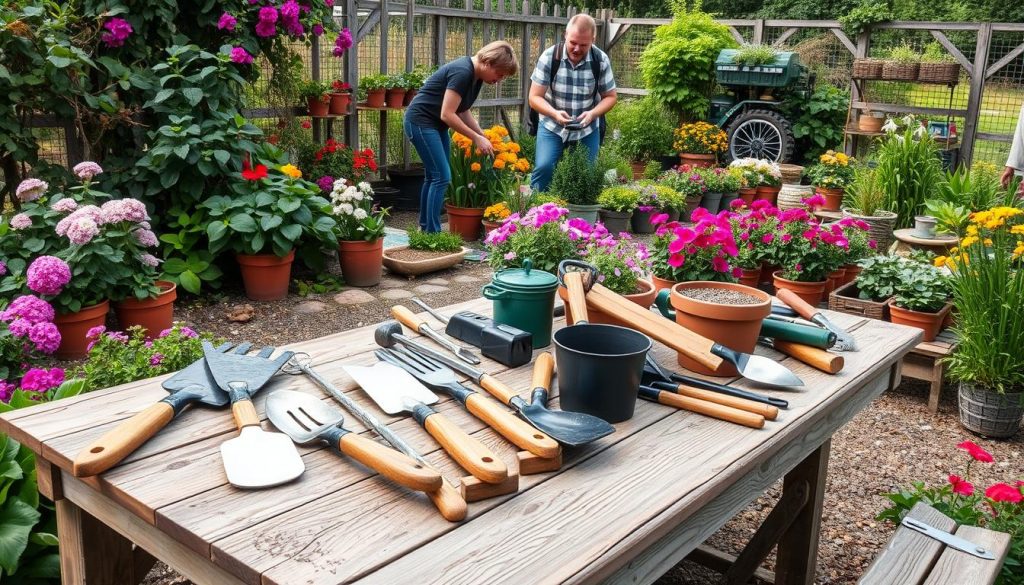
pixel 549 152
pixel 433 147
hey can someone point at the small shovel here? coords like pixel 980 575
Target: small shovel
pixel 256 458
pixel 307 419
pixel 395 390
pixel 569 428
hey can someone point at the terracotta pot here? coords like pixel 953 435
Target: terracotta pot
pixel 769 193
pixel 930 323
pixel 316 107
pixel 697 160
pixel 489 226
pixel 74 326
pixel 660 283
pixel 424 266
pixel 396 97
pixel 153 314
pixel 747 194
pixel 750 276
pixel 852 271
pixel 644 298
pixel 869 123
pixel 409 95
pixel 361 262
pixel 465 221
pixel 835 280
pixel 340 103
pixel 812 292
pixel 375 97
pixel 766 272
pixel 266 276
pixel 833 198
pixel 735 326
pixel 638 169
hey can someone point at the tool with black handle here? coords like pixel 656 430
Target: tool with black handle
pixel 502 343
pixel 783 329
pixel 659 377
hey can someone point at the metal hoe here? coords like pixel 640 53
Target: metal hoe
pixel 410 320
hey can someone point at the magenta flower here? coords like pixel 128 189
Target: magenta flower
pixel 41 380
pixel 30 308
pixel 96 332
pixel 47 275
pixel 88 169
pixel 145 238
pixel 82 231
pixel 31 189
pixel 155 359
pixel 19 328
pixel 227 22
pixel 768 238
pixel 318 29
pixel 342 43
pixel 118 30
pixel 3 268
pixel 240 56
pixel 326 183
pixel 1003 492
pixel 6 389
pixel 45 336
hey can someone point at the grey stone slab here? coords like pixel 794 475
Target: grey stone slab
pixel 396 293
pixel 424 289
pixel 436 282
pixel 466 278
pixel 353 297
pixel 310 307
pixel 393 283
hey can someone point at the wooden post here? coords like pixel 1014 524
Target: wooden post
pixel 526 63
pixel 863 47
pixel 382 127
pixel 758 32
pixel 410 19
pixel 974 97
pixel 441 37
pixel 351 20
pixel 486 24
pixel 321 124
pixel 92 553
pixel 797 554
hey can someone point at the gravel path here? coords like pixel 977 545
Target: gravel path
pixel 891 443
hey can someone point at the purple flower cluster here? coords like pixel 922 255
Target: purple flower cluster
pixel 227 22
pixel 29 308
pixel 326 183
pixel 145 237
pixel 149 260
pixel 129 209
pixel 267 17
pixel 240 56
pixel 155 359
pixel 81 230
pixel 534 218
pixel 86 211
pixel 290 18
pixel 6 389
pixel 31 189
pixel 65 205
pixel 186 332
pixel 47 275
pixel 31 317
pixel 343 42
pixel 88 169
pixel 3 268
pixel 118 30
pixel 41 379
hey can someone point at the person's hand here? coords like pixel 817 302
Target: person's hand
pixel 586 118
pixel 562 117
pixel 1004 179
pixel 483 145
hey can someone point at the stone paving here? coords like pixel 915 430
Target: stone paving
pixel 391 288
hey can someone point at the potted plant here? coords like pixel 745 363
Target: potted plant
pixel 394 85
pixel 831 176
pixel 341 98
pixel 746 168
pixel 730 183
pixel 645 132
pixel 324 165
pixel 494 215
pixel 860 246
pixel 937 65
pixel 317 95
pixel 902 64
pixel 617 205
pixel 769 180
pixel 653 199
pixel 746 228
pixel 270 212
pixel 699 143
pixel 909 169
pixel 374 87
pixel 479 180
pixel 688 183
pixel 950 218
pixel 870 293
pixel 754 55
pixel 622 265
pixel 865 201
pixel 921 300
pixel 806 252
pixel 541 235
pixel 578 182
pixel 412 81
pixel 426 252
pixel 988 293
pixel 359 230
pixel 714 180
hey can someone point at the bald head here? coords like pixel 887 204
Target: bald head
pixel 583 23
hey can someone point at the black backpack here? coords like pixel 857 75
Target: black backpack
pixel 533 123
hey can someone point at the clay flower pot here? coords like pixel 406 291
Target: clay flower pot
pixel 465 221
pixel 266 276
pixel 410 94
pixel 734 325
pixel 852 271
pixel 395 97
pixel 835 280
pixel 660 283
pixel 340 103
pixel 930 323
pixel 697 160
pixel 747 194
pixel 317 108
pixel 361 262
pixel 833 198
pixel 375 97
pixel 153 314
pixel 644 298
pixel 812 292
pixel 750 276
pixel 74 326
pixel 768 192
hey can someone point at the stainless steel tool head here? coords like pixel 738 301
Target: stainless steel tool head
pixel 197 379
pixel 258 459
pixel 765 370
pixel 254 371
pixel 303 417
pixel 392 388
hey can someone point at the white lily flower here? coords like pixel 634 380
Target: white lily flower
pixel 890 125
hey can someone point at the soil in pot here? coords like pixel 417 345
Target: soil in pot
pixel 405 260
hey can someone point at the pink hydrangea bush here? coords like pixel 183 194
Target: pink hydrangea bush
pixel 27 336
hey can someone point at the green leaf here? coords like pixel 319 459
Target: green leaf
pixel 59 62
pixel 162 95
pixel 181 151
pixel 269 222
pixel 215 230
pixel 292 231
pixel 190 282
pixel 193 95
pixel 222 156
pixel 242 222
pixel 16 521
pixel 178 265
pixel 288 204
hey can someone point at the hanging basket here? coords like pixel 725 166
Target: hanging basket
pixel 939 72
pixel 867 68
pixel 894 71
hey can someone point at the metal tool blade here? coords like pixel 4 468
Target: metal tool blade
pixel 280 405
pixel 258 459
pixel 391 387
pixel 950 540
pixel 766 370
pixel 844 341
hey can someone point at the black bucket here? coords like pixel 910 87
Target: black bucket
pixel 599 369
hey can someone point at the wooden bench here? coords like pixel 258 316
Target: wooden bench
pixel 912 558
pixel 924 362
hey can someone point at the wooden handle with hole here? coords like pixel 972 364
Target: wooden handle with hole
pixel 449 502
pixel 467 451
pixel 829 363
pixel 802 307
pixel 768 411
pixel 119 442
pixel 577 296
pixel 679 338
pixel 244 413
pixel 396 466
pixel 512 428
pixel 733 415
pixel 543 367
pixel 407 317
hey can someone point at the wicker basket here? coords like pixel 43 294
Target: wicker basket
pixel 867 68
pixel 894 71
pixel 880 227
pixel 988 413
pixel 792 196
pixel 939 72
pixel 791 173
pixel 844 299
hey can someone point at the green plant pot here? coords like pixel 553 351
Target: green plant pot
pixel 585 212
pixel 615 221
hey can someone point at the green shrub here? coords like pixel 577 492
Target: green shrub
pixel 652 170
pixel 866 194
pixel 609 159
pixel 122 357
pixel 435 242
pixel 621 198
pixel 922 287
pixel 645 128
pixel 818 120
pixel 908 171
pixel 904 53
pixel 936 53
pixel 576 180
pixel 879 276
pixel 754 55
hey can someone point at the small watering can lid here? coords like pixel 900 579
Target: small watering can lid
pixel 526 277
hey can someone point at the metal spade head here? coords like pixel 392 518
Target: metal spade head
pixel 392 388
pixel 254 371
pixel 196 379
pixel 569 428
pixel 258 459
pixel 301 416
pixel 765 370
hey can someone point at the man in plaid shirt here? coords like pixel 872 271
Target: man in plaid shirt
pixel 569 107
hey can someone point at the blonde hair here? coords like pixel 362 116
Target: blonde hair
pixel 584 23
pixel 500 56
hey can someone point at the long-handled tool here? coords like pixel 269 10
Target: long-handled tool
pixel 820 359
pixel 255 458
pixel 396 391
pixel 654 375
pixel 192 384
pixel 410 320
pixel 570 428
pixel 306 419
pixel 767 411
pixel 438 377
pixel 753 367
pixel 712 409
pixel 447 499
pixel 502 343
pixel 844 341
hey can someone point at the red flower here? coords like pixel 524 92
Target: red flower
pixel 307 124
pixel 964 488
pixel 976 452
pixel 1001 492
pixel 254 174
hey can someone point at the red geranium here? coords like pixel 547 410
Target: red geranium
pixel 1002 492
pixel 250 174
pixel 340 86
pixel 960 486
pixel 976 452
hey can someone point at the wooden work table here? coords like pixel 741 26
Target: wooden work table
pixel 623 509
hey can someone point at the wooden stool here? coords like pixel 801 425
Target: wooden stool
pixel 924 362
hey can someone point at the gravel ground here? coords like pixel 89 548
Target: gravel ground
pixel 891 443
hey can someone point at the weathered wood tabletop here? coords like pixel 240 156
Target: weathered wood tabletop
pixel 625 508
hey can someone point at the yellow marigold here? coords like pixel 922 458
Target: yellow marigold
pixel 522 165
pixel 842 158
pixel 1017 229
pixel 1018 251
pixel 968 241
pixel 292 171
pixel 972 230
pixel 497 212
pixel 514 147
pixel 475 167
pixel 940 261
pixel 499 163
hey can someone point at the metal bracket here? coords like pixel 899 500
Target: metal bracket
pixel 951 540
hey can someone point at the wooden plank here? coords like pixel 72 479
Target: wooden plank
pixel 492 17
pixel 441 37
pixel 526 66
pixel 797 556
pixel 955 52
pixel 901 109
pixel 908 557
pixel 758 32
pixel 620 34
pixel 352 74
pixel 974 97
pixel 793 502
pixel 371 21
pixel 720 562
pixel 845 40
pixel 736 35
pixel 955 567
pixel 927 25
pixel 785 36
pixel 994 136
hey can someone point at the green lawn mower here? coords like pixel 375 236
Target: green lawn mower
pixel 750 112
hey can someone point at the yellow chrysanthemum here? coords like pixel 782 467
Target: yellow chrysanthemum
pixel 292 171
pixel 1018 251
pixel 968 241
pixel 475 167
pixel 514 147
pixel 972 230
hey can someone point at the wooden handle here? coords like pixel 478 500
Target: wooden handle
pixel 577 296
pixel 768 411
pixel 244 413
pixel 119 442
pixel 674 335
pixel 733 415
pixel 407 317
pixel 542 370
pixel 396 466
pixel 816 358
pixel 515 430
pixel 497 388
pixel 470 453
pixel 449 502
pixel 802 307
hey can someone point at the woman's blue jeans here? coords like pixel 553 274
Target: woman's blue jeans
pixel 433 147
pixel 549 152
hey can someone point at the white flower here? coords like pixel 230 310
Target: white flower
pixel 347 208
pixel 890 125
pixel 908 119
pixel 339 185
pixel 365 187
pixel 920 131
pixel 359 213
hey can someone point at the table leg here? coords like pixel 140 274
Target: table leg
pixel 91 552
pixel 797 554
pixel 938 370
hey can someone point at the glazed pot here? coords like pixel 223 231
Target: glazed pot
pixel 811 292
pixel 587 213
pixel 74 326
pixel 727 199
pixel 465 221
pixel 153 314
pixel 711 202
pixel 930 323
pixel 924 226
pixel 644 298
pixel 361 262
pixel 265 276
pixel 641 222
